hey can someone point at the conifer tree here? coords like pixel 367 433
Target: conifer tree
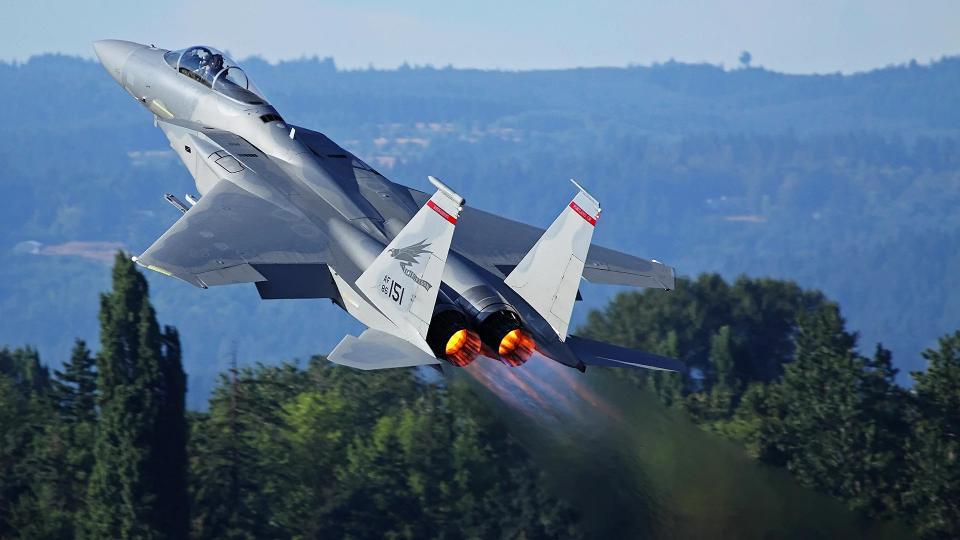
pixel 933 455
pixel 74 391
pixel 75 387
pixel 171 446
pixel 134 477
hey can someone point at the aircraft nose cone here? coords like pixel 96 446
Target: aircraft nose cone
pixel 113 54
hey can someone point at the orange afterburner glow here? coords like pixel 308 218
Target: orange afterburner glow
pixel 516 347
pixel 462 347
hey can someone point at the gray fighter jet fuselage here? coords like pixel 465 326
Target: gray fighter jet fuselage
pixel 289 210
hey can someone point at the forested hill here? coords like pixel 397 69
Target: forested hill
pixel 848 184
pixel 104 448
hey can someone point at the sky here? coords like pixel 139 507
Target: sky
pixel 810 36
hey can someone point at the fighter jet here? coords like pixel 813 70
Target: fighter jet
pixel 289 210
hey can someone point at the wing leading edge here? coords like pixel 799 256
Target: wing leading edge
pixel 241 222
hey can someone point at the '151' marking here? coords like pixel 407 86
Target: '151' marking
pixel 392 290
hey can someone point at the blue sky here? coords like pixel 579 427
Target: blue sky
pixel 798 37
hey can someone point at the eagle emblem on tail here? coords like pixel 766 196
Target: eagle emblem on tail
pixel 408 255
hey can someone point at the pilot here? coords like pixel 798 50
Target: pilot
pixel 216 64
pixel 210 65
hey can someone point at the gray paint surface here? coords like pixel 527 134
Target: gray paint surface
pixel 288 209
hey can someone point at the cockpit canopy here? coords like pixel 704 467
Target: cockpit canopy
pixel 214 69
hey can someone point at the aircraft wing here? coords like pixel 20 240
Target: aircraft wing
pixel 241 230
pixel 499 244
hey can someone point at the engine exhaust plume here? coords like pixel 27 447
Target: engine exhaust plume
pixel 462 348
pixel 516 347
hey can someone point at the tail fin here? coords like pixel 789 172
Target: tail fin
pixel 404 279
pixel 597 353
pixel 548 277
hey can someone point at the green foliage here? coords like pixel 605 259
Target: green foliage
pixel 835 421
pixel 170 449
pixel 44 449
pixel 757 405
pixel 666 385
pixel 933 455
pixel 75 392
pixel 722 359
pixel 716 404
pixel 75 387
pixel 24 369
pixel 736 333
pixel 782 376
pixel 24 407
pixel 332 452
pixel 137 487
pixel 239 457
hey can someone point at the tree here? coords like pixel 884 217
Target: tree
pixel 243 474
pixel 716 404
pixel 331 452
pixel 170 451
pixel 745 58
pixel 666 384
pixel 833 419
pixel 933 454
pixel 33 472
pixel 132 483
pixel 764 316
pixel 15 437
pixel 760 314
pixel 722 360
pixel 28 374
pixel 75 387
pixel 74 392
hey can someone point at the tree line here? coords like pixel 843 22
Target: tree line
pixel 105 449
pixel 773 367
pixel 98 450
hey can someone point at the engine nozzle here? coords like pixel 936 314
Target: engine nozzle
pixel 462 348
pixel 450 339
pixel 503 332
pixel 516 347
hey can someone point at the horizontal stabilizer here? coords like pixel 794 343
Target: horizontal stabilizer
pixel 378 350
pixel 598 353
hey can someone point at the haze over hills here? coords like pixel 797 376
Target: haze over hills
pixel 845 183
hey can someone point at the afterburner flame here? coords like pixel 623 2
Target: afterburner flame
pixel 516 347
pixel 462 347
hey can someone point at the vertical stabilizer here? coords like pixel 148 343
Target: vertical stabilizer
pixel 548 277
pixel 404 279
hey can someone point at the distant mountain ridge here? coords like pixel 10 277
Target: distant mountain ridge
pixel 846 183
